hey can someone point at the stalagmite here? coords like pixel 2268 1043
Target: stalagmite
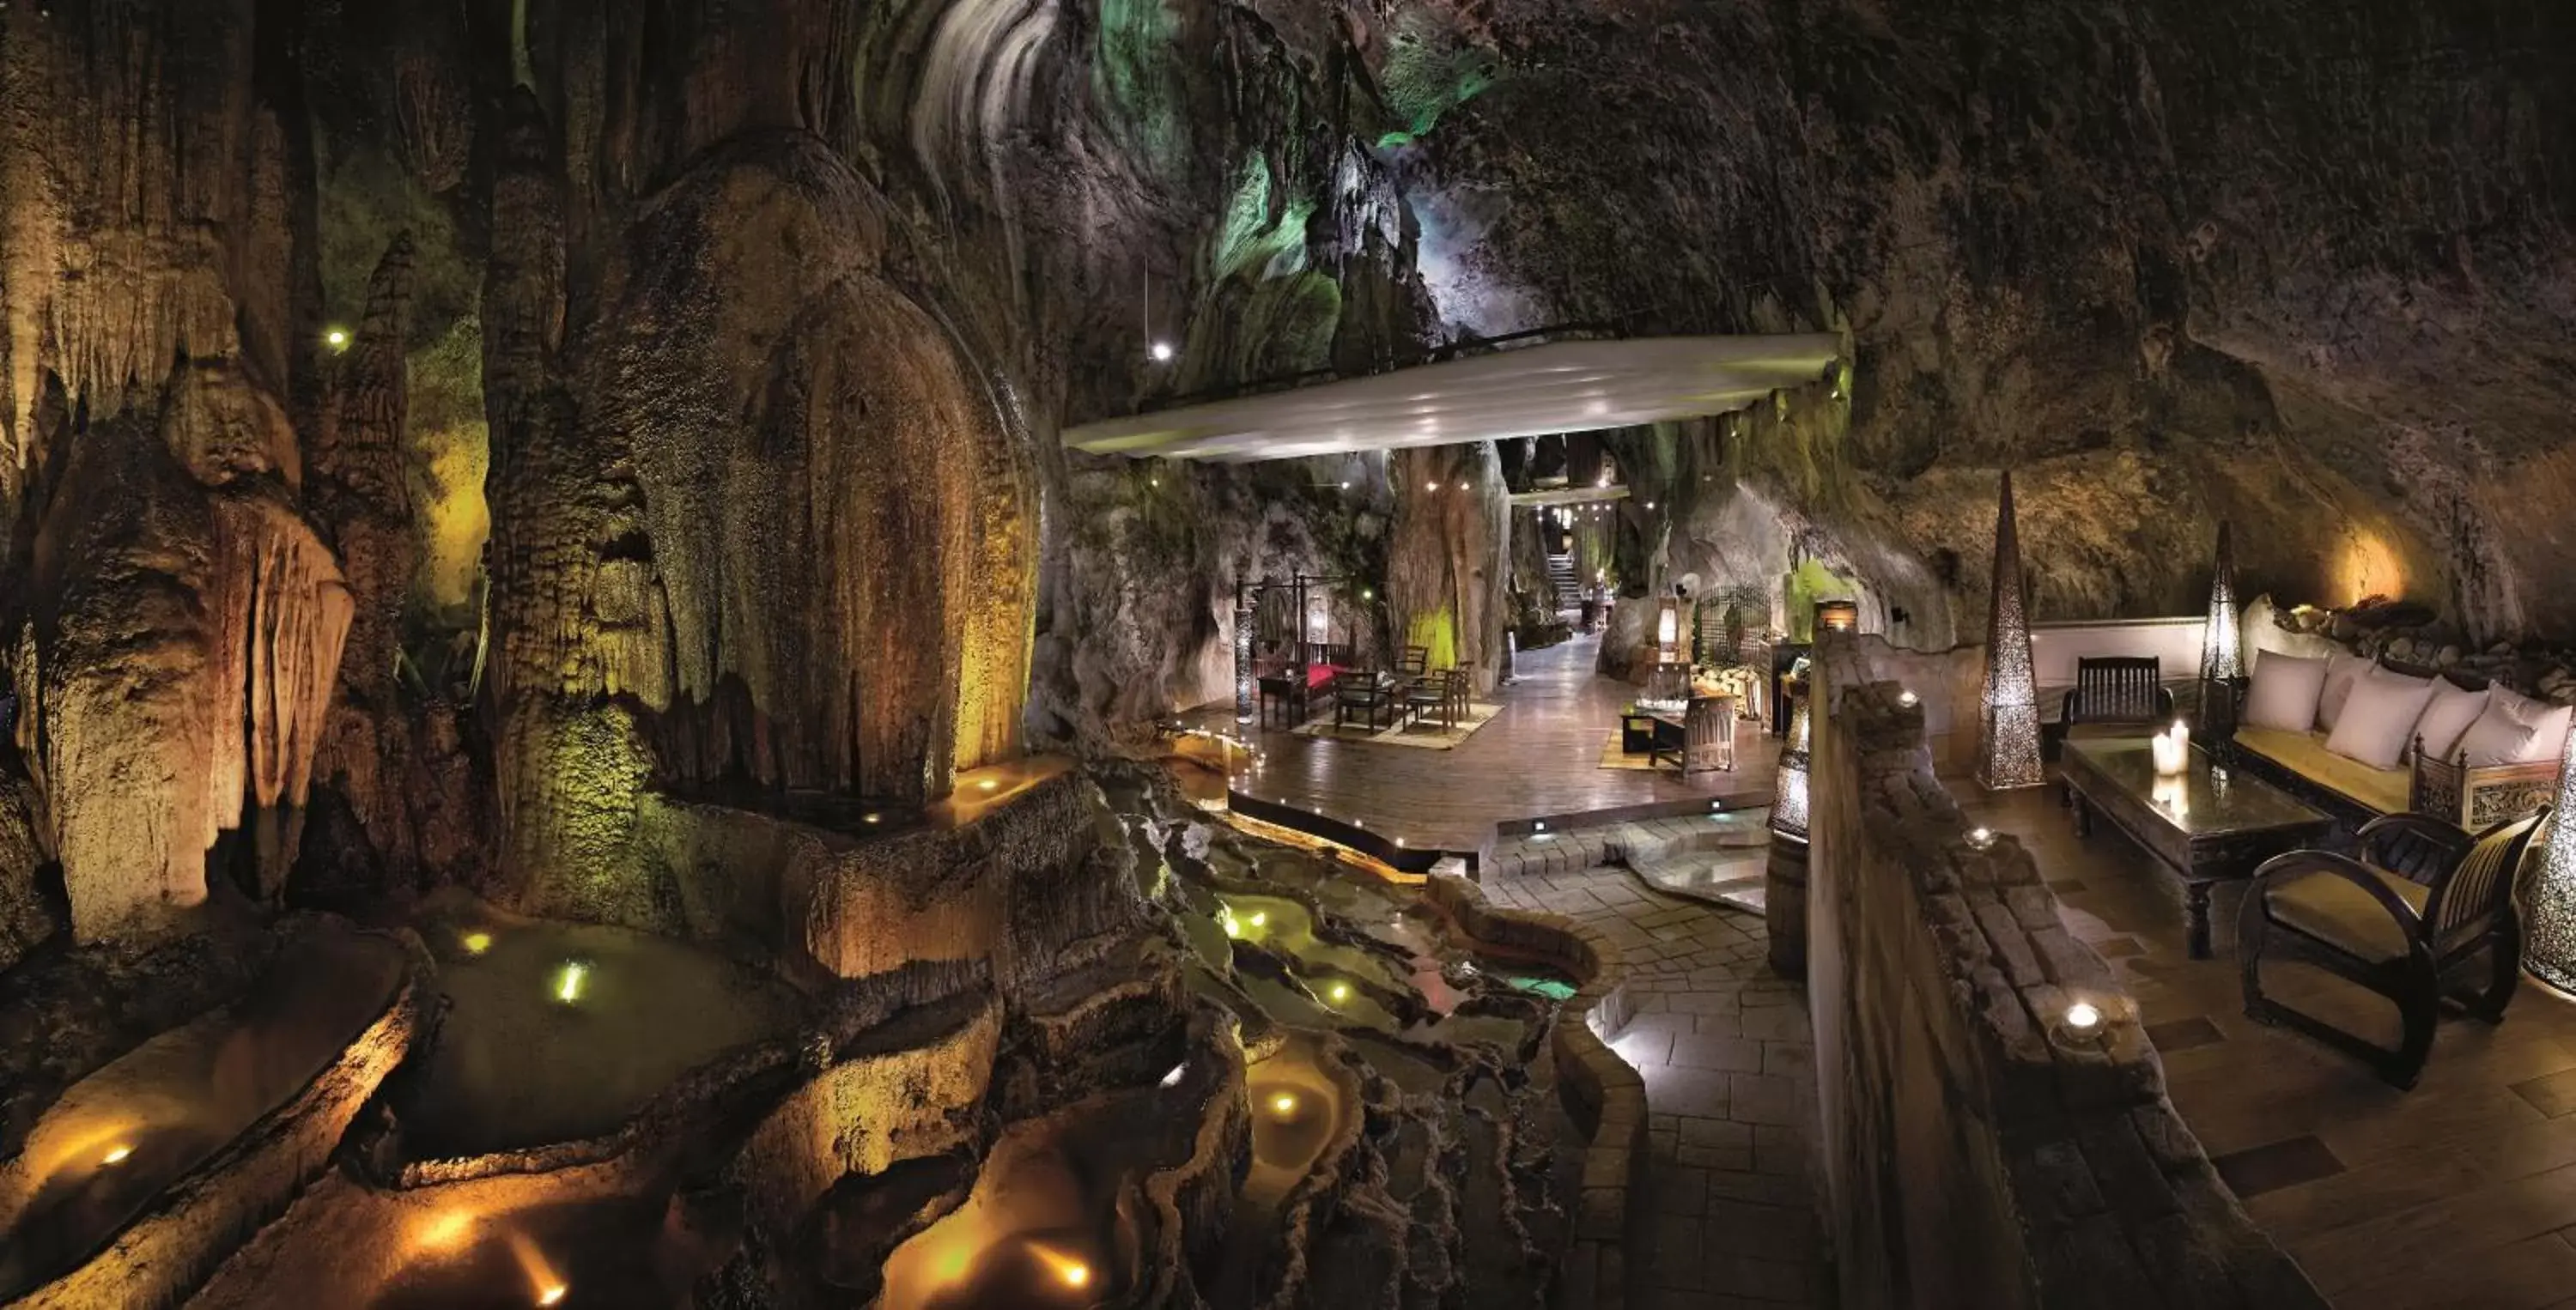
pixel 184 645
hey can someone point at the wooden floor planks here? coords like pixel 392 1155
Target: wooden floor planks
pixel 1541 755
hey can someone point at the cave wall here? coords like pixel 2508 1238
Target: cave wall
pixel 2301 266
pixel 760 324
pixel 176 621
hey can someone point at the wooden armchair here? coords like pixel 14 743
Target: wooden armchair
pixel 1415 661
pixel 2423 899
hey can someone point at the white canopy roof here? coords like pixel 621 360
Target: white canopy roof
pixel 1558 386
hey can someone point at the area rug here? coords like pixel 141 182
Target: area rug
pixel 1430 736
pixel 1612 757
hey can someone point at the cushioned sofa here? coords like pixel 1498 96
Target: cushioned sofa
pixel 2434 779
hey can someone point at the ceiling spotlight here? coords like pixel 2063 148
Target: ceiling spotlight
pixel 1161 351
pixel 1430 486
pixel 1462 486
pixel 1346 484
pixel 336 338
pixel 1650 504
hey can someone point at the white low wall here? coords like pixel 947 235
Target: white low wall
pixel 2054 647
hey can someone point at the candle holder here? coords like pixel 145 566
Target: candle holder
pixel 2082 1024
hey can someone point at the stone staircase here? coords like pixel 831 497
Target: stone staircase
pixel 1560 571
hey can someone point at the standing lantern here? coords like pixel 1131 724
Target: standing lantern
pixel 1243 707
pixel 2549 939
pixel 1789 782
pixel 2008 743
pixel 2222 649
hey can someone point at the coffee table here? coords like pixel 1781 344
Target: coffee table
pixel 2207 824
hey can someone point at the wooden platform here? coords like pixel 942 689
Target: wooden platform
pixel 2461 1192
pixel 1540 756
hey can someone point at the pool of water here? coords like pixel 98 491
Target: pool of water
pixel 561 1032
pixel 116 1139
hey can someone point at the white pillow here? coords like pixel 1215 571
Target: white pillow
pixel 2285 691
pixel 2514 729
pixel 2343 669
pixel 2448 716
pixel 2379 719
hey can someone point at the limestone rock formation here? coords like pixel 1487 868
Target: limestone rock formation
pixel 2274 263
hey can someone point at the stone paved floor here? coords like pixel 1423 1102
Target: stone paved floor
pixel 1729 1216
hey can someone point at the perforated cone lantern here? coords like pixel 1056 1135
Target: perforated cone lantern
pixel 2549 950
pixel 2222 656
pixel 2008 742
pixel 1789 781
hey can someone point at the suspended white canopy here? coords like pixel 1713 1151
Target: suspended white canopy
pixel 1558 386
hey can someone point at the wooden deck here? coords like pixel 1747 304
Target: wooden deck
pixel 2461 1192
pixel 1541 755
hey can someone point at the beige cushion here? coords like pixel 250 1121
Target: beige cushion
pixel 2343 670
pixel 2379 718
pixel 2285 691
pixel 2447 717
pixel 2515 729
pixel 2382 791
pixel 2330 909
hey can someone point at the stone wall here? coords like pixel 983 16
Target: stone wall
pixel 1970 1157
pixel 1014 893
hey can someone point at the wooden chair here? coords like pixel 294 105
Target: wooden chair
pixel 1428 695
pixel 1415 662
pixel 1709 730
pixel 1361 693
pixel 2114 693
pixel 2119 690
pixel 2423 899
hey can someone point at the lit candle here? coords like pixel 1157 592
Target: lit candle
pixel 2168 747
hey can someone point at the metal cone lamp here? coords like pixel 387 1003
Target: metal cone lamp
pixel 2549 949
pixel 1789 782
pixel 2008 740
pixel 2222 651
